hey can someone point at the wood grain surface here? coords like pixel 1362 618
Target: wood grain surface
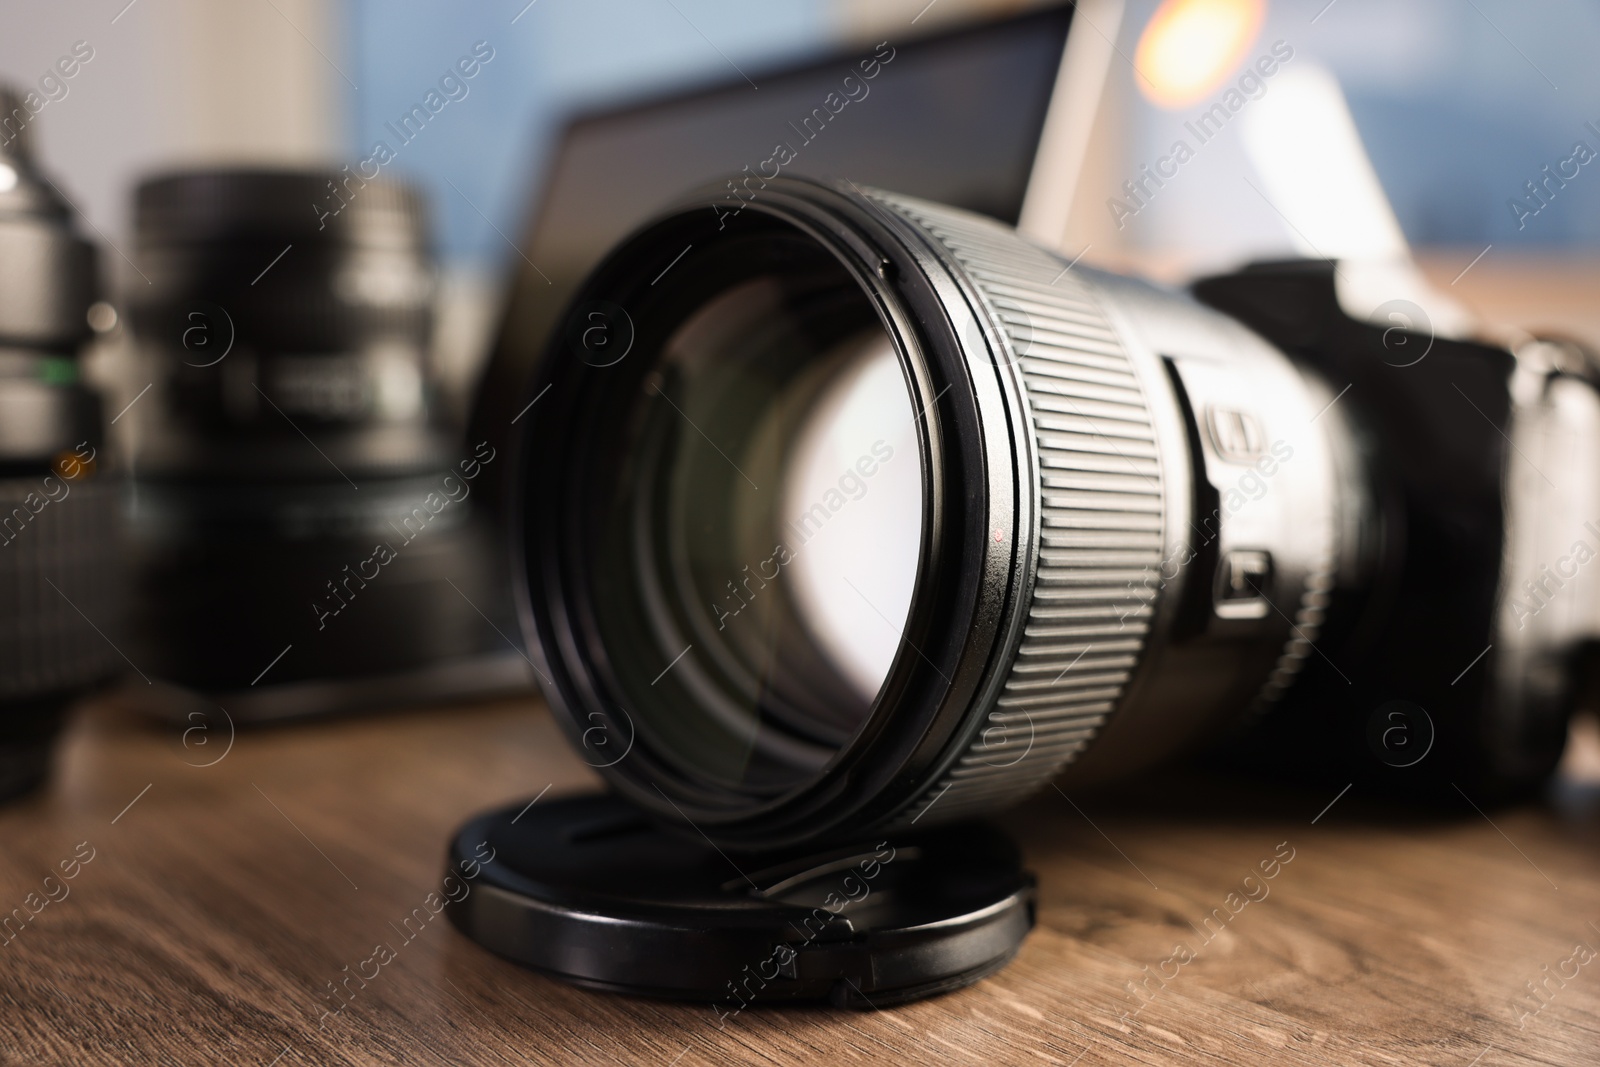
pixel 221 900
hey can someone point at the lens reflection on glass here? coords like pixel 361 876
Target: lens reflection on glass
pixel 764 530
pixel 853 496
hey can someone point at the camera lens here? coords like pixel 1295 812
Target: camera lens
pixel 59 548
pixel 296 496
pixel 888 516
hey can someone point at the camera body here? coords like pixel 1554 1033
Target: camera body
pixel 1465 630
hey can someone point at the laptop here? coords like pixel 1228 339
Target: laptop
pixel 983 116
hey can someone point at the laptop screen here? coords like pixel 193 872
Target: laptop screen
pixel 953 117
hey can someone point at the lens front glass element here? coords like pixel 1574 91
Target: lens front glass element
pixel 760 540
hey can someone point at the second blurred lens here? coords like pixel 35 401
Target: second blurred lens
pixel 294 496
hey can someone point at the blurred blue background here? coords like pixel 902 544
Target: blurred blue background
pixel 1460 102
pixel 558 57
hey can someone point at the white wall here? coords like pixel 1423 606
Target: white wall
pixel 174 82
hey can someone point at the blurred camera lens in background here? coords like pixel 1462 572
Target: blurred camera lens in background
pixel 303 521
pixel 59 511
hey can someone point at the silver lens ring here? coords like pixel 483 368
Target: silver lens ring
pixel 1099 526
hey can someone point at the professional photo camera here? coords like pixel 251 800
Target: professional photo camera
pixel 854 517
pixel 1050 530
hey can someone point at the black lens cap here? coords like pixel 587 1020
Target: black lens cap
pixel 590 890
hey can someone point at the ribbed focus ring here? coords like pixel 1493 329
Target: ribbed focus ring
pixel 59 561
pixel 1100 513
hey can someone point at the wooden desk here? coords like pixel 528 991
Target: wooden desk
pixel 217 907
pixel 222 900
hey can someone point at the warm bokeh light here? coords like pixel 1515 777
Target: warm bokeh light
pixel 1191 46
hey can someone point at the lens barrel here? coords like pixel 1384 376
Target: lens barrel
pixel 60 551
pixel 295 492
